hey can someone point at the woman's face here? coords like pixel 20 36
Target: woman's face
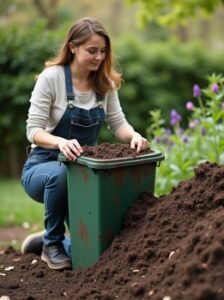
pixel 91 54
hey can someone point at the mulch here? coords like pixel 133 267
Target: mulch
pixel 170 248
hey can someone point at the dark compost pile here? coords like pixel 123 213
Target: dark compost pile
pixel 170 248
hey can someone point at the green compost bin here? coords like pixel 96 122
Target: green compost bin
pixel 100 192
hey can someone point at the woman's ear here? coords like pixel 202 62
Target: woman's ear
pixel 72 47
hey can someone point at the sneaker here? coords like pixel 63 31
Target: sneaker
pixel 56 257
pixel 33 243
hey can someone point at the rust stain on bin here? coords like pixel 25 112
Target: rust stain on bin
pixel 83 232
pixel 140 173
pixel 85 173
pixel 119 176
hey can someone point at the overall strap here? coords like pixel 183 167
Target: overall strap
pixel 68 84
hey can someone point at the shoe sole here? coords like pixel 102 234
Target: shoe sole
pixel 28 239
pixel 65 265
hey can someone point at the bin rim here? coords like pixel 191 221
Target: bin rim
pixel 98 163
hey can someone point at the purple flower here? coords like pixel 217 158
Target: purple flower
pixel 215 88
pixel 189 105
pixel 168 131
pixel 185 139
pixel 196 90
pixel 174 117
pixel 167 141
pixel 203 131
pixel 157 139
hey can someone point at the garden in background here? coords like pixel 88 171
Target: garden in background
pixel 201 141
pixel 171 246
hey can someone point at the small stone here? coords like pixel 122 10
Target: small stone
pixel 205 266
pixel 9 268
pixel 171 254
pixel 150 293
pixel 16 259
pixel 34 261
pixel 135 271
pixel 134 284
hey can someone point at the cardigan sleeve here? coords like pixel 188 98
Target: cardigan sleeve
pixel 40 105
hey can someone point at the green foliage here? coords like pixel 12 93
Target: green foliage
pixel 160 75
pixel 202 140
pixel 22 56
pixel 175 11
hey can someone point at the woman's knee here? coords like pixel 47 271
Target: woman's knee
pixel 57 175
pixel 50 175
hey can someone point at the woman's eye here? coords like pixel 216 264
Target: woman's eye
pixel 92 51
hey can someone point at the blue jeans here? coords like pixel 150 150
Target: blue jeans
pixel 46 182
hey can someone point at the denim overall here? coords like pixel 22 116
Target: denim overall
pixel 44 178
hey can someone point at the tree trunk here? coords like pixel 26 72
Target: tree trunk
pixel 182 33
pixel 48 12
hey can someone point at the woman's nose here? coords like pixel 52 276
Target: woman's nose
pixel 100 55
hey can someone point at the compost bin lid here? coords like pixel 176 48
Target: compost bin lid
pixel 98 163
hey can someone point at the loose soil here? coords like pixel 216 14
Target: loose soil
pixel 170 248
pixel 110 151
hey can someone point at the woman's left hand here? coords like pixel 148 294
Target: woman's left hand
pixel 138 142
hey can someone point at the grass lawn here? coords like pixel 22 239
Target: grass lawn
pixel 16 208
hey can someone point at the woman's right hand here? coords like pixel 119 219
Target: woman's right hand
pixel 70 148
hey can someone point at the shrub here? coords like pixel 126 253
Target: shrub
pixel 202 140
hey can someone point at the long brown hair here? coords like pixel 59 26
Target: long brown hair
pixel 78 34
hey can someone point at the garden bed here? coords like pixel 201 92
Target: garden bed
pixel 170 248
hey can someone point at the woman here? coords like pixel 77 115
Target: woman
pixel 73 95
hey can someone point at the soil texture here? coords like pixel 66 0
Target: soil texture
pixel 110 151
pixel 170 248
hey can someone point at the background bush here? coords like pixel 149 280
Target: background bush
pixel 156 75
pixel 22 54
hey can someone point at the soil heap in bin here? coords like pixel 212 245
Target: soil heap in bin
pixel 110 151
pixel 171 247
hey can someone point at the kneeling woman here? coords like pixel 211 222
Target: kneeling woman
pixel 72 97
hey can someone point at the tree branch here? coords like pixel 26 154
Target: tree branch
pixel 41 8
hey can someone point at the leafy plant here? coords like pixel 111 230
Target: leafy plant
pixel 202 140
pixel 174 12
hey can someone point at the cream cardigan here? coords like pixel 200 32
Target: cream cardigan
pixel 48 103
